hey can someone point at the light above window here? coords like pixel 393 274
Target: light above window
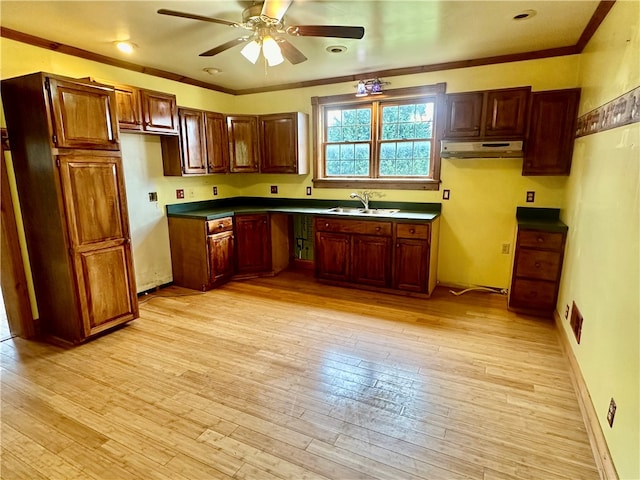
pixel 370 87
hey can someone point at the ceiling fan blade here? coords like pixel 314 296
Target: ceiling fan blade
pixel 335 31
pixel 173 13
pixel 290 52
pixel 275 8
pixel 224 46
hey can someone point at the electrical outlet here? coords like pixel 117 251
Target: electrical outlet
pixel 308 190
pixel 506 247
pixel 531 197
pixel 446 194
pixel 576 322
pixel 180 193
pixel 611 413
pixel 153 196
pixel 274 189
pixel 566 312
pixel 215 191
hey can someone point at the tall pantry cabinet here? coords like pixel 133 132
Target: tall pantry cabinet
pixel 65 148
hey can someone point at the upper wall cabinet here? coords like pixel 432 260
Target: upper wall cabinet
pixel 283 141
pixel 487 114
pixel 551 134
pixel 201 147
pixel 146 110
pixel 244 153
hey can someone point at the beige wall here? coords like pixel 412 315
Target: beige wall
pixel 602 262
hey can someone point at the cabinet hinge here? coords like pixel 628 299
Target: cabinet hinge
pixel 58 162
pixel 55 139
pixel 47 85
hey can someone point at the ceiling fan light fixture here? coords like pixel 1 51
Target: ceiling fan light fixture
pixel 251 51
pixel 271 51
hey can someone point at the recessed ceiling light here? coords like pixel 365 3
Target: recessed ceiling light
pixel 126 47
pixel 525 14
pixel 336 49
pixel 212 70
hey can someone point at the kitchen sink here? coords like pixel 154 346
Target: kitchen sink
pixel 363 211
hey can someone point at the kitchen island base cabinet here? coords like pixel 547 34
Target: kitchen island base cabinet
pixel 395 257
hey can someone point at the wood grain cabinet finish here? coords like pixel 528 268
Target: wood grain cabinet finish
pixel 147 111
pixel 551 134
pixel 536 271
pixel 202 252
pixel 253 243
pixel 386 255
pixel 244 150
pixel 283 143
pixel 487 114
pixel 201 147
pixel 73 202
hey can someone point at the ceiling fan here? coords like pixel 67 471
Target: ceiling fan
pixel 267 30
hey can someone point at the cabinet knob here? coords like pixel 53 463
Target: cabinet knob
pixel 377 229
pixel 220 225
pixel 540 239
pixel 412 231
pixel 537 264
pixel 397 245
pixel 326 225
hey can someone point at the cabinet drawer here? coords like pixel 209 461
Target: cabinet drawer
pixel 324 224
pixel 540 239
pixel 413 230
pixel 540 264
pixel 533 294
pixel 219 225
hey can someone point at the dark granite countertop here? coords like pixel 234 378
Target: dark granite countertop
pixel 540 219
pixel 212 209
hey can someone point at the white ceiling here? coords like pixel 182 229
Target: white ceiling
pixel 398 34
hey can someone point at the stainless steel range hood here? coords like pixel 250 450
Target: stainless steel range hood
pixel 476 149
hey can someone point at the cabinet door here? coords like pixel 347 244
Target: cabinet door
pixel 128 104
pixel 463 115
pixel 410 265
pixel 551 132
pixel 84 115
pixel 221 257
pixel 505 114
pixel 192 141
pixel 253 243
pixel 217 146
pixel 95 207
pixel 242 133
pixel 333 255
pixel 279 143
pixel 371 261
pixel 159 112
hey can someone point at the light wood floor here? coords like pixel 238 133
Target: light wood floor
pixel 286 378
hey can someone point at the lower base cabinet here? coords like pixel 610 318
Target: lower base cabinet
pixel 253 247
pixel 202 252
pixel 392 256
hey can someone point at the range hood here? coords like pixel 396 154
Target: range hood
pixel 477 149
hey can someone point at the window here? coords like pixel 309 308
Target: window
pixel 386 141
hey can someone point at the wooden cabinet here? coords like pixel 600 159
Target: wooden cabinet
pixel 551 135
pixel 253 243
pixel 201 147
pixel 73 203
pixel 392 256
pixel 244 150
pixel 536 271
pixel 148 111
pixel 202 251
pixel 283 143
pixel 487 114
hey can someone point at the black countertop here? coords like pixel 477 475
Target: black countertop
pixel 212 209
pixel 540 219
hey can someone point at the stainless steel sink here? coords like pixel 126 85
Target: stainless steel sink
pixel 362 211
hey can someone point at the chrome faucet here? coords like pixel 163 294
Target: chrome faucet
pixel 363 197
